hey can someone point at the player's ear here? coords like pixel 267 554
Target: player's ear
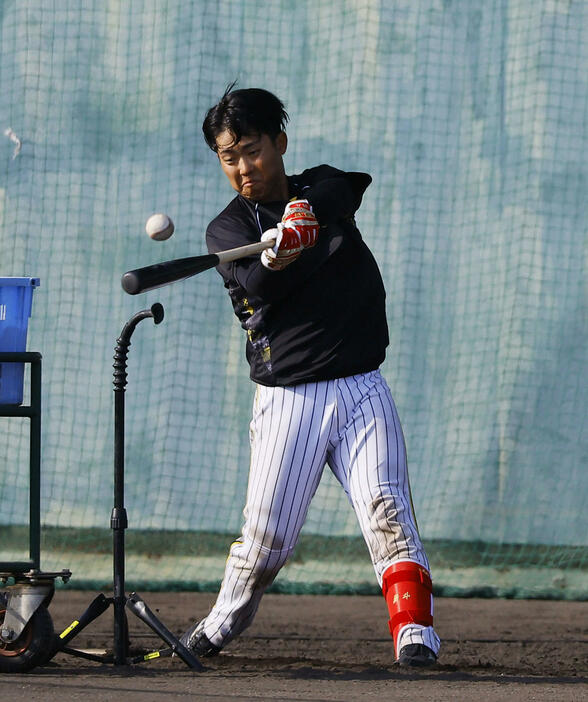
pixel 281 143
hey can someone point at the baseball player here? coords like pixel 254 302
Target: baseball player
pixel 313 309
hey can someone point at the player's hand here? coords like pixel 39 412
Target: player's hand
pixel 299 216
pixel 286 249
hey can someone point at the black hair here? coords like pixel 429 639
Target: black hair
pixel 245 112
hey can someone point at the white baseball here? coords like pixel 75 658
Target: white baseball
pixel 159 227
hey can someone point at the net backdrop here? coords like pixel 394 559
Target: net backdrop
pixel 472 118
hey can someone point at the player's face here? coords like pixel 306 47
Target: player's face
pixel 254 165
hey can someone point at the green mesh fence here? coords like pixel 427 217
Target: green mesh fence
pixel 471 116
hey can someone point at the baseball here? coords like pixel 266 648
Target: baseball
pixel 159 227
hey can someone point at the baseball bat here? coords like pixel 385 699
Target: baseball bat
pixel 160 274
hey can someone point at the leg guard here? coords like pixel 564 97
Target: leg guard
pixel 408 592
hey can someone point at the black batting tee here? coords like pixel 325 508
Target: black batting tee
pixel 323 316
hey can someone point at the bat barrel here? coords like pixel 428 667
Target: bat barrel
pixel 160 274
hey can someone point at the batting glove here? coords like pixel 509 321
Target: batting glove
pixel 286 249
pixel 298 215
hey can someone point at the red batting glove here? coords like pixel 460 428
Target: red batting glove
pixel 286 249
pixel 298 215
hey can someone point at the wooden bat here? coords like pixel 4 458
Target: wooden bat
pixel 160 274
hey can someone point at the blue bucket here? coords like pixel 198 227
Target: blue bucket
pixel 16 300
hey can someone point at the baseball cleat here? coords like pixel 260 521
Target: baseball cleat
pixel 416 656
pixel 195 640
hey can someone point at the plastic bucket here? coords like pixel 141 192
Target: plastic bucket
pixel 16 300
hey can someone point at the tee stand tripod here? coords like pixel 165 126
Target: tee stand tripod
pixel 118 524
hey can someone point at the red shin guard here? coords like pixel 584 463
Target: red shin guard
pixel 408 591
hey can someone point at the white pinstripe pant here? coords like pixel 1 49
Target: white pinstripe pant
pixel 352 425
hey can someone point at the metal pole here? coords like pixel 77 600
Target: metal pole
pixel 118 523
pixel 35 465
pixel 118 519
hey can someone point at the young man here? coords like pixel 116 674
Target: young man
pixel 313 308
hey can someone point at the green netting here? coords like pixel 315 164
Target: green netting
pixel 471 116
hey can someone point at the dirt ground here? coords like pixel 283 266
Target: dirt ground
pixel 327 648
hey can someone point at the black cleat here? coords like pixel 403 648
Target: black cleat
pixel 195 640
pixel 416 656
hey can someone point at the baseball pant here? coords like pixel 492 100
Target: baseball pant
pixel 352 425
